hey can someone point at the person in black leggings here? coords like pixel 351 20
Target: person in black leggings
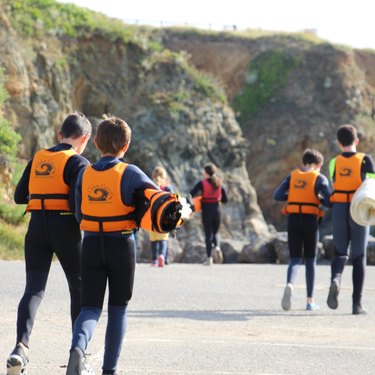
pixel 48 187
pixel 113 198
pixel 214 193
pixel 304 189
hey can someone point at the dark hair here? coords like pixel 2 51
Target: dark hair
pixel 346 134
pixel 75 125
pixel 112 134
pixel 312 157
pixel 210 169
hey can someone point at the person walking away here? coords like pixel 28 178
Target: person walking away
pixel 47 186
pixel 113 198
pixel 304 189
pixel 159 241
pixel 214 193
pixel 347 171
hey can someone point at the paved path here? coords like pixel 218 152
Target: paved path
pixel 190 319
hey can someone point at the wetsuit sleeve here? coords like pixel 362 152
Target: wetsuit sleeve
pixel 322 187
pixel 368 167
pixel 224 194
pixel 281 193
pixel 134 181
pixel 21 195
pixel 198 187
pixel 78 196
pixel 71 171
pixel 169 189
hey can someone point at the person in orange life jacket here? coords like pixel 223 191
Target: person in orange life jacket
pixel 159 241
pixel 214 193
pixel 347 171
pixel 113 198
pixel 304 189
pixel 47 186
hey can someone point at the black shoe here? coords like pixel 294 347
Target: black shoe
pixel 334 290
pixel 77 363
pixel 358 309
pixel 17 362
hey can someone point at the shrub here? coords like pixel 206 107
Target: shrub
pixel 267 75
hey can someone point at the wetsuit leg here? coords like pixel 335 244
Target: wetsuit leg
pixel 341 239
pixel 207 226
pixel 38 257
pixel 94 282
pixel 121 266
pixel 359 240
pixel 211 217
pixel 216 221
pixel 311 237
pixel 114 336
pixel 295 241
pixel 66 243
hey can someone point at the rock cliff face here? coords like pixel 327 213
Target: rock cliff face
pixel 178 115
pixel 331 86
pixel 177 121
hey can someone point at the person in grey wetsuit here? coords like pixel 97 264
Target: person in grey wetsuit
pixel 347 171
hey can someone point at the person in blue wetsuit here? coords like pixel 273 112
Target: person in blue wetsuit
pixel 214 193
pixel 47 186
pixel 347 171
pixel 304 189
pixel 113 198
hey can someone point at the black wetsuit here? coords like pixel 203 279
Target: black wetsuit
pixel 60 234
pixel 211 217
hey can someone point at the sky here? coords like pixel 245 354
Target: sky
pixel 338 21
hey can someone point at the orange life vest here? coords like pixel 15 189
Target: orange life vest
pixel 209 193
pixel 347 177
pixel 302 198
pixel 102 207
pixel 47 188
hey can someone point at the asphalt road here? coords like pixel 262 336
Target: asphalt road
pixel 190 319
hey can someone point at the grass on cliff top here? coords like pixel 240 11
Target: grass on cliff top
pixel 13 225
pixel 40 17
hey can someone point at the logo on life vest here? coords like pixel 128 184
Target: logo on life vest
pixel 345 172
pixel 45 168
pixel 300 184
pixel 99 194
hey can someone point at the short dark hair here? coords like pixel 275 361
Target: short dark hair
pixel 346 134
pixel 75 125
pixel 312 157
pixel 112 134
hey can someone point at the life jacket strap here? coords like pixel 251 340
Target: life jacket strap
pixel 347 192
pixel 49 196
pixel 106 219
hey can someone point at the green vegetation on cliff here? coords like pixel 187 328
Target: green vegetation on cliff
pixel 12 223
pixel 8 137
pixel 267 75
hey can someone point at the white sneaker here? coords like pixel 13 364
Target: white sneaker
pixel 208 262
pixel 17 362
pixel 77 364
pixel 218 255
